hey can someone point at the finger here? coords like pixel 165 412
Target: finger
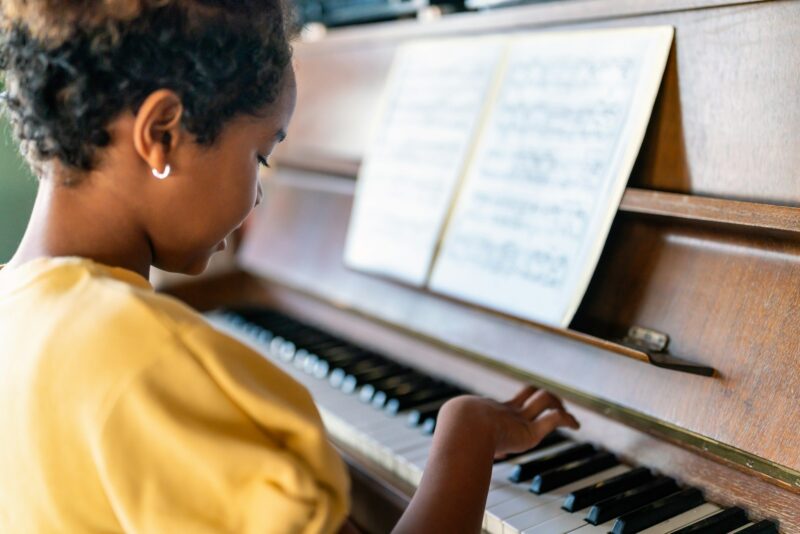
pixel 539 402
pixel 519 399
pixel 551 420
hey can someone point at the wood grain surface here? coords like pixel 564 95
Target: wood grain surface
pixel 752 217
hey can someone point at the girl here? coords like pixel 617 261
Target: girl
pixel 146 121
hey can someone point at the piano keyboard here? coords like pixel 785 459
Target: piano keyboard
pixel 387 411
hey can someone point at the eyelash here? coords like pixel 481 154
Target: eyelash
pixel 262 161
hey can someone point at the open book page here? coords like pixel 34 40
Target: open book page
pixel 434 98
pixel 549 170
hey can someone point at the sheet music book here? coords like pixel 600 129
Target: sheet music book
pixel 528 208
pixel 431 106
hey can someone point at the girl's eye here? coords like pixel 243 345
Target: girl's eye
pixel 262 161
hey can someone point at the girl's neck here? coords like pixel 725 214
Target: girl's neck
pixel 87 221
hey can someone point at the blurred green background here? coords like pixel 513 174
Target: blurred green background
pixel 17 191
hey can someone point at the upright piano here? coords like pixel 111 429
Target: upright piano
pixel 705 249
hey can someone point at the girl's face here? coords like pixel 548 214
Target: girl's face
pixel 211 190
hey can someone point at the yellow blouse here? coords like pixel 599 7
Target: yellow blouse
pixel 123 410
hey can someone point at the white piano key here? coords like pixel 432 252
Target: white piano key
pixel 410 443
pixel 686 518
pixel 323 398
pixel 380 430
pixel 560 524
pixel 495 483
pixel 742 528
pixel 419 455
pixel 392 430
pixel 382 441
pixel 409 469
pixel 506 493
pixel 525 500
pixel 417 464
pixel 410 451
pixel 375 426
pixel 605 528
pixel 370 415
pixel 540 514
pixel 389 453
pixel 351 409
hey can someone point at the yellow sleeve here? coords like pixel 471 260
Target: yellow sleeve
pixel 213 438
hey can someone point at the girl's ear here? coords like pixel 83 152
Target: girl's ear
pixel 157 128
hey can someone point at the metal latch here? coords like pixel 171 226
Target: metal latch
pixel 646 339
pixel 654 344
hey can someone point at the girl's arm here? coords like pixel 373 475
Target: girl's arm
pixel 470 433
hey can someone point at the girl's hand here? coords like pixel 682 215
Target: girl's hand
pixel 470 430
pixel 513 426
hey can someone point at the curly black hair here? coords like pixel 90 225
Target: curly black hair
pixel 223 59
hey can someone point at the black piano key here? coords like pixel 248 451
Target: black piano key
pixel 401 403
pixel 418 415
pixel 319 364
pixel 631 500
pixel 382 396
pixel 340 353
pixel 338 375
pixel 762 527
pixel 568 473
pixel 309 362
pixel 526 471
pixel 580 499
pixel 658 511
pixel 719 523
pixel 322 345
pixel 350 382
pixel 288 329
pixel 266 318
pixel 299 357
pixel 389 385
pixel 553 438
pixel 429 425
pixel 337 353
pixel 297 331
pixel 262 334
pixel 323 367
pixel 367 391
pixel 344 365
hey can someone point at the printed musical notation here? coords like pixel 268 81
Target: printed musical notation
pixel 551 163
pixel 432 104
pixel 531 216
pixel 507 258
